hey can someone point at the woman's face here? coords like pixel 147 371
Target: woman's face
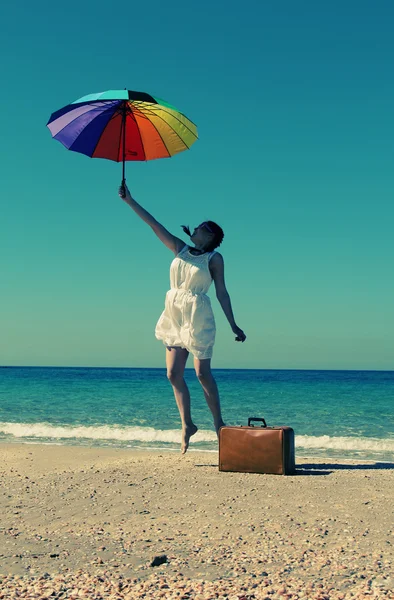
pixel 201 235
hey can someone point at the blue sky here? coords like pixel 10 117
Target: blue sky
pixel 294 106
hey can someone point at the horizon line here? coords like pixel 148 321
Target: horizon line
pixel 192 368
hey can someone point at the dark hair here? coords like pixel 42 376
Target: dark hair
pixel 216 230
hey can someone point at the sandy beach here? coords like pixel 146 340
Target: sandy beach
pixel 88 523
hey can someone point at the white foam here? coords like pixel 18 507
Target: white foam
pixel 345 443
pixel 106 432
pixel 171 436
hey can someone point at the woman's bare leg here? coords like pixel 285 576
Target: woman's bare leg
pixel 211 393
pixel 176 361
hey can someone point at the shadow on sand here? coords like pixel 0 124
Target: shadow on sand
pixel 328 468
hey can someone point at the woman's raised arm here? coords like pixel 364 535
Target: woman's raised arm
pixel 171 241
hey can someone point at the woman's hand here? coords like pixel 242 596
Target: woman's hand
pixel 240 336
pixel 124 192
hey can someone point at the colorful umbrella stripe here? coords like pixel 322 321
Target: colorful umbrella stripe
pixel 94 125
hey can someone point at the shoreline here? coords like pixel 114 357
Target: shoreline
pixel 117 451
pixel 80 519
pixel 161 368
pixel 301 453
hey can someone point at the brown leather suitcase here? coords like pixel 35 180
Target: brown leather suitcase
pixel 259 449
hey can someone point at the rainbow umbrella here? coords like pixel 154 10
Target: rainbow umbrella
pixel 122 125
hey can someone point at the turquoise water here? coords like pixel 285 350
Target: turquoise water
pixel 345 414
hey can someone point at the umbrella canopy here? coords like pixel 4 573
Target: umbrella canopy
pixel 122 125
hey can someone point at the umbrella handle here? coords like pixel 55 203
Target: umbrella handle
pixel 123 188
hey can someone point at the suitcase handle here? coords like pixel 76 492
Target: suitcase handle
pixel 256 419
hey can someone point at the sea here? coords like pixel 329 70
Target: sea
pixel 334 414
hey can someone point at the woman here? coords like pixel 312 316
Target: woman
pixel 187 323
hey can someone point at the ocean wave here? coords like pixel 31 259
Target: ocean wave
pixel 345 443
pixel 171 436
pixel 102 432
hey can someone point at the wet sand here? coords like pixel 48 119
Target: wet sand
pixel 87 523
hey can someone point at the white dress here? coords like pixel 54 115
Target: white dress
pixel 187 320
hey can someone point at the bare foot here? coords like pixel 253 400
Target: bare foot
pixel 187 433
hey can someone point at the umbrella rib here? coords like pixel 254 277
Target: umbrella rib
pixel 175 117
pixel 67 109
pixel 172 129
pixel 99 138
pixel 138 129
pixel 161 106
pixel 161 137
pixel 72 120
